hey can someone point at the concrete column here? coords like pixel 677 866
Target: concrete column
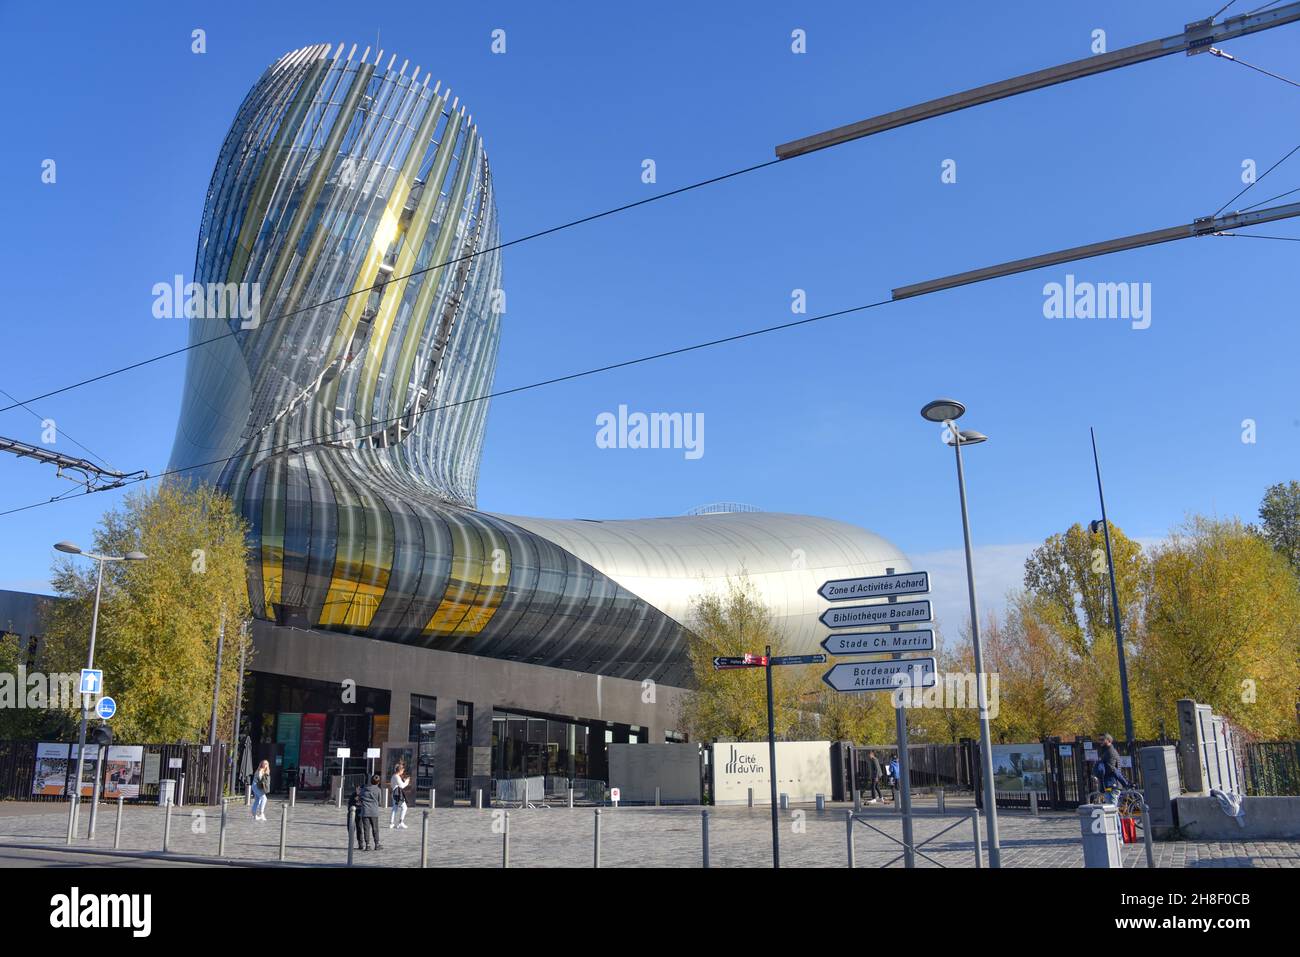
pixel 444 750
pixel 480 752
pixel 399 714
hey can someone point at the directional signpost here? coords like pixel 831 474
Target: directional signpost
pixel 864 616
pixel 878 642
pixel 877 586
pixel 766 661
pixel 883 675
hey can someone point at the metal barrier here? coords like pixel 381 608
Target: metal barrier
pixel 962 817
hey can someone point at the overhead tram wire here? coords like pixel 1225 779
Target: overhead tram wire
pixel 415 272
pixel 1286 239
pixel 1249 185
pixel 318 442
pixel 1258 69
pixel 23 405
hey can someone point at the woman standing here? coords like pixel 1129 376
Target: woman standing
pixel 261 787
pixel 399 784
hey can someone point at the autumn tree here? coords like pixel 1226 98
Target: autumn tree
pixel 1279 516
pixel 159 619
pixel 731 705
pixel 1223 627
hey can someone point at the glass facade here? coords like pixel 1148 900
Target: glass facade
pixel 423 728
pixel 308 722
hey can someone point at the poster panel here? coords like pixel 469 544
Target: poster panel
pixel 87 769
pixel 52 768
pixel 1019 767
pixel 123 772
pixel 311 752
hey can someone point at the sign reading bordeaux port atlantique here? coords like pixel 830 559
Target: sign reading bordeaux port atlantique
pixel 862 616
pixel 882 675
pixel 879 642
pixel 876 586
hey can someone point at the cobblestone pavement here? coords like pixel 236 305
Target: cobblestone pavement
pixel 629 837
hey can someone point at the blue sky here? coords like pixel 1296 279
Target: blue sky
pixel 819 420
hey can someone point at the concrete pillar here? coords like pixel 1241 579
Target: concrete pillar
pixel 444 749
pixel 480 752
pixel 399 715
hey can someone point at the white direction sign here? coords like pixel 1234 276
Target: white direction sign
pixel 879 642
pixel 882 675
pixel 876 586
pixel 864 616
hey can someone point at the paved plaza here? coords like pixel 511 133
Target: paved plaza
pixel 629 837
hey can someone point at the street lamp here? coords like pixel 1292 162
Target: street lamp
pixel 947 411
pixel 1115 614
pixel 69 548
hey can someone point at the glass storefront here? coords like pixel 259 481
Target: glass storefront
pixel 307 721
pixel 423 728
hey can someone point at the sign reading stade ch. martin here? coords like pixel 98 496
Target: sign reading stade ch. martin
pixel 879 642
pixel 876 586
pixel 862 616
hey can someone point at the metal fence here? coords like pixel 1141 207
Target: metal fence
pixel 191 762
pixel 1272 767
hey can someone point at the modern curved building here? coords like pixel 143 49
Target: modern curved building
pixel 352 201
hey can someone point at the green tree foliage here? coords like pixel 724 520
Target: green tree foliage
pixel 159 619
pixel 732 705
pixel 1223 627
pixel 1067 576
pixel 1279 515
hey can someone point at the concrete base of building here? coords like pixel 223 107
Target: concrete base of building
pixel 605 704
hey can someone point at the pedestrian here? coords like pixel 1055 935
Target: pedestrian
pixel 261 788
pixel 354 805
pixel 893 772
pixel 370 812
pixel 1109 777
pixel 873 777
pixel 399 783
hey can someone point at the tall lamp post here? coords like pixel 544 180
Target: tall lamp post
pixel 947 411
pixel 74 799
pixel 1115 613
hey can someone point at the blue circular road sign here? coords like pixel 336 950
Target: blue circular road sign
pixel 106 708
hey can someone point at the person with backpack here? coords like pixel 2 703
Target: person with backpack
pixel 873 777
pixel 1109 777
pixel 399 784
pixel 370 798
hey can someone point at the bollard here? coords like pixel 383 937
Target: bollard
pixel 167 825
pixel 117 833
pixel 180 792
pixel 975 824
pixel 433 798
pixel 785 801
pixel 248 794
pixel 1146 833
pixel 848 826
pixel 857 802
pixel 570 798
pixel 478 799
pixel 1033 803
pixel 942 802
pixel 352 823
pixel 897 799
pixel 751 797
pixel 284 828
pixel 221 836
pixel 505 842
pixel 339 797
pixel 385 800
pixel 704 835
pixel 293 796
pixel 821 803
pixel 424 839
pixel 596 842
pixel 656 795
